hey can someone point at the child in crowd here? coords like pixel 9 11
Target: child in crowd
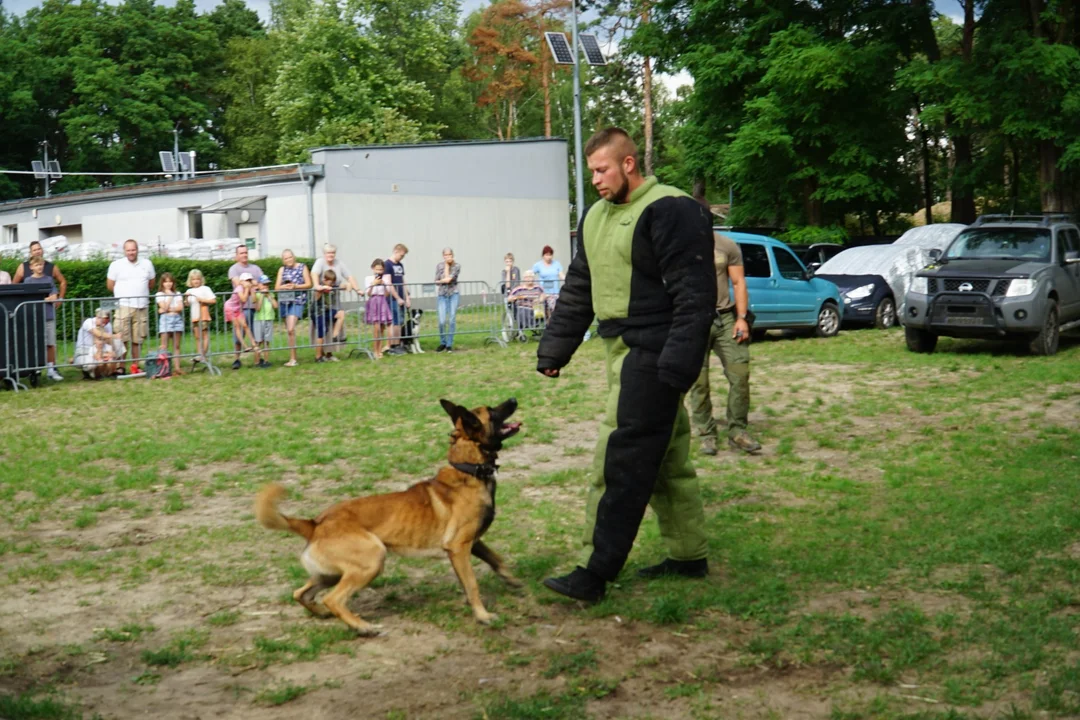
pixel 266 305
pixel 200 298
pixel 37 270
pixel 377 309
pixel 170 307
pixel 234 313
pixel 329 319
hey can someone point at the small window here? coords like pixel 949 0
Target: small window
pixel 1072 242
pixel 755 261
pixel 11 234
pixel 788 265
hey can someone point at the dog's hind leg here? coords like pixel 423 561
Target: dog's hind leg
pixel 306 595
pixel 489 556
pixel 360 559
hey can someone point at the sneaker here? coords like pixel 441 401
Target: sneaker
pixel 441 348
pixel 320 359
pixel 264 363
pixel 333 358
pixel 54 375
pixel 396 350
pixel 449 350
pixel 291 363
pixel 236 365
pixel 708 445
pixel 742 441
pixel 582 584
pixel 682 568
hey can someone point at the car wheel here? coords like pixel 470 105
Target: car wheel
pixel 885 313
pixel 828 321
pixel 1046 341
pixel 758 335
pixel 919 340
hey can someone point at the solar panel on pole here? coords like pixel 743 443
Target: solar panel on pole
pixel 54 169
pixel 39 169
pixel 591 46
pixel 187 162
pixel 168 162
pixel 560 48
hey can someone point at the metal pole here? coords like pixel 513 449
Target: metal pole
pixel 47 173
pixel 179 174
pixel 579 163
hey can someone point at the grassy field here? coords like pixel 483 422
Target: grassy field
pixel 907 546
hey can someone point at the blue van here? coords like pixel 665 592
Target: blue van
pixel 783 293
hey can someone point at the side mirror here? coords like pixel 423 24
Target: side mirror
pixel 935 254
pixel 1071 257
pixel 810 270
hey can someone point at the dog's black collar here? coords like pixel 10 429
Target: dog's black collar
pixel 485 471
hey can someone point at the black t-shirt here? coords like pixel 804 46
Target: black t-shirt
pixel 396 271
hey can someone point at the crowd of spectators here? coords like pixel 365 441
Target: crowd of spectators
pixel 108 340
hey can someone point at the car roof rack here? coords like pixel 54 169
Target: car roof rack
pixel 1042 219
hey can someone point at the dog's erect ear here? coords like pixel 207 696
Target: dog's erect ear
pixel 469 422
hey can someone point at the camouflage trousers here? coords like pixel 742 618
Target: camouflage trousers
pixel 735 357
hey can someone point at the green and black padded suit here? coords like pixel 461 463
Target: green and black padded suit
pixel 644 269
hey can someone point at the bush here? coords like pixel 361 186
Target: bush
pixel 809 234
pixel 86 279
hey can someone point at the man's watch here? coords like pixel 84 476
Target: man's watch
pixel 740 317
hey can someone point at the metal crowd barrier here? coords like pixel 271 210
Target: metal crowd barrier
pixel 484 314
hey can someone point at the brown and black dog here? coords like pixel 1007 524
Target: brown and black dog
pixel 348 542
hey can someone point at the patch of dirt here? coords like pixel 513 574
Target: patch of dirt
pixel 870 605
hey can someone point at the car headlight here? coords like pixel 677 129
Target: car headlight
pixel 1019 288
pixel 919 285
pixel 860 292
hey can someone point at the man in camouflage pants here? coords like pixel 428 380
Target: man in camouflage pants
pixel 729 338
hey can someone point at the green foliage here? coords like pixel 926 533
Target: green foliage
pixel 808 235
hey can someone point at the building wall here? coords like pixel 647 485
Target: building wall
pixel 480 231
pixel 481 199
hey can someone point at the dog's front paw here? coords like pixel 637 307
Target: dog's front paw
pixel 369 630
pixel 485 618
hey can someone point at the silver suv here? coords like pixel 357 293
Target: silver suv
pixel 1002 277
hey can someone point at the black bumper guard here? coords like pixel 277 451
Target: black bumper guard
pixel 959 312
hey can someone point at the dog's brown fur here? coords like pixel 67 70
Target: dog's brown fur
pixel 348 542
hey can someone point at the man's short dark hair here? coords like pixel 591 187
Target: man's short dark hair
pixel 613 136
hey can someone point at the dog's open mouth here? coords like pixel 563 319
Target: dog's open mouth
pixel 508 430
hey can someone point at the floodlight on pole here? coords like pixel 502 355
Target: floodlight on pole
pixel 579 162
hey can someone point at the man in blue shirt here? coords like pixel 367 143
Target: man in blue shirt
pixel 399 297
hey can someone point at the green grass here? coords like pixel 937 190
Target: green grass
pixel 912 521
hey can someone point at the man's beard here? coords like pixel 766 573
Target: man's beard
pixel 619 196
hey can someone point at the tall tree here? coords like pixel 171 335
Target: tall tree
pixel 502 64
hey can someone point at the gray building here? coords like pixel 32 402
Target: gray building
pixel 483 199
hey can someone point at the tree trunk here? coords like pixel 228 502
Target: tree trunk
pixel 544 77
pixel 1053 193
pixel 646 82
pixel 963 200
pixel 1014 179
pixel 814 208
pixel 699 191
pixel 928 183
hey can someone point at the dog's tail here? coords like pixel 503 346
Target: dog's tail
pixel 268 516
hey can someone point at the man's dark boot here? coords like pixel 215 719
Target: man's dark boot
pixel 582 584
pixel 683 568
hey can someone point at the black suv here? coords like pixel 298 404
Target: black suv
pixel 1003 276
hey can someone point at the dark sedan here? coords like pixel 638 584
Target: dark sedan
pixel 868 299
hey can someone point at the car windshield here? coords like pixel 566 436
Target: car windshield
pixel 1001 243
